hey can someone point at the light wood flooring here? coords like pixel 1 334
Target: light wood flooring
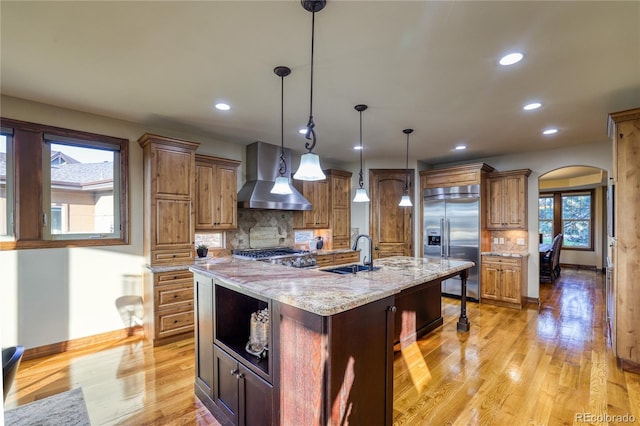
pixel 514 367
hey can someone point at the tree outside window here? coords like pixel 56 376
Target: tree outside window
pixel 569 213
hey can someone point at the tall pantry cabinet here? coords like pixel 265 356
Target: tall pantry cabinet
pixel 624 289
pixel 169 174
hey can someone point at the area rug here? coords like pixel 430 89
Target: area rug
pixel 64 409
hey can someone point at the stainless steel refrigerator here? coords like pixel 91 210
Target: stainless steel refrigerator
pixel 452 230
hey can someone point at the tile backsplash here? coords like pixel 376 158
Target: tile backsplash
pixel 511 240
pixel 248 218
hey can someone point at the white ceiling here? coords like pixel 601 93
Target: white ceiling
pixel 431 66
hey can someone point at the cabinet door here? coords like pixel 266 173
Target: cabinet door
pixel 514 208
pixel 172 174
pixel 490 280
pixel 226 200
pixel 510 284
pixel 256 405
pixel 321 204
pixel 341 228
pixel 172 224
pixel 340 192
pixel 494 203
pixel 226 391
pixel 205 194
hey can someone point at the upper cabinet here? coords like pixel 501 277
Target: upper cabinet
pixel 331 206
pixel 468 174
pixel 216 204
pixel 506 200
pixel 340 207
pixel 169 171
pixel 317 192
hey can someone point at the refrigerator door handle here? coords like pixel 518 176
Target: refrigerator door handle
pixel 442 237
pixel 448 225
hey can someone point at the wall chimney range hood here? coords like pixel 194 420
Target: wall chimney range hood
pixel 262 167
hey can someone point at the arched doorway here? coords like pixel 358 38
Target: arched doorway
pixel 572 201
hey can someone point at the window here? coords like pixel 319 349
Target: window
pixel 569 213
pixel 80 178
pixel 545 218
pixel 6 185
pixel 70 188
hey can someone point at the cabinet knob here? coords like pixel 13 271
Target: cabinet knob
pixel 240 376
pixel 234 372
pixel 175 321
pixel 175 296
pixel 392 308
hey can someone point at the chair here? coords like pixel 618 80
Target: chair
pixel 550 262
pixel 555 262
pixel 10 361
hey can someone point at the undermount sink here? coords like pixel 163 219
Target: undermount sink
pixel 350 269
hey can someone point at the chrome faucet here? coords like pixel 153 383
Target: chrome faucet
pixel 355 247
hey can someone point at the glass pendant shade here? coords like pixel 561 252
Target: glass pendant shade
pixel 405 201
pixel 281 186
pixel 361 196
pixel 309 168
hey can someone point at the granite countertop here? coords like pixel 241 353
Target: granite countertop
pixel 325 293
pixel 157 269
pixel 503 254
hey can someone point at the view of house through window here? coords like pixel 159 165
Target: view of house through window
pixel 574 218
pixel 6 186
pixel 82 197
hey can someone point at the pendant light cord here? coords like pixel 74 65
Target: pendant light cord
pixel 361 180
pixel 311 133
pixel 283 163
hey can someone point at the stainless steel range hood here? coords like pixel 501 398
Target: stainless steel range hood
pixel 262 165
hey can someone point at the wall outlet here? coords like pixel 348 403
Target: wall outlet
pixel 495 241
pixel 501 240
pixel 520 241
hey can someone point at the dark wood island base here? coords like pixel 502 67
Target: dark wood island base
pixel 320 369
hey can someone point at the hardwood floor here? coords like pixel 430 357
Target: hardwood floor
pixel 513 367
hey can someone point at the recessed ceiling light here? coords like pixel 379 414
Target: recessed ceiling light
pixel 550 131
pixel 357 147
pixel 511 58
pixel 303 131
pixel 460 147
pixel 223 107
pixel 531 106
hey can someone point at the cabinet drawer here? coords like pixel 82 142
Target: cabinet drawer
pixel 170 296
pixel 172 257
pixel 324 260
pixel 174 322
pixel 170 278
pixel 512 261
pixel 341 243
pixel 347 257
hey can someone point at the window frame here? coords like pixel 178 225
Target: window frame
pixel 558 220
pixel 9 185
pixel 30 188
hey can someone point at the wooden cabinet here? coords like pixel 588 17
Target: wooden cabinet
pixel 168 306
pixel 506 199
pixel 244 397
pixel 624 130
pixel 468 174
pixel 504 281
pixel 169 173
pixel 340 207
pixel 331 259
pixel 317 193
pixel 216 193
pixel 331 201
pixel 229 380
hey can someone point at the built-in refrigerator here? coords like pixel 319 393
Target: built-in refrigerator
pixel 452 231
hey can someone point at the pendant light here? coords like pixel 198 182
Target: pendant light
pixel 406 200
pixel 310 163
pixel 361 193
pixel 281 186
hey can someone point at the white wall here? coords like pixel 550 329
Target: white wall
pixel 52 295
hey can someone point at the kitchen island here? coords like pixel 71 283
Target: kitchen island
pixel 331 337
